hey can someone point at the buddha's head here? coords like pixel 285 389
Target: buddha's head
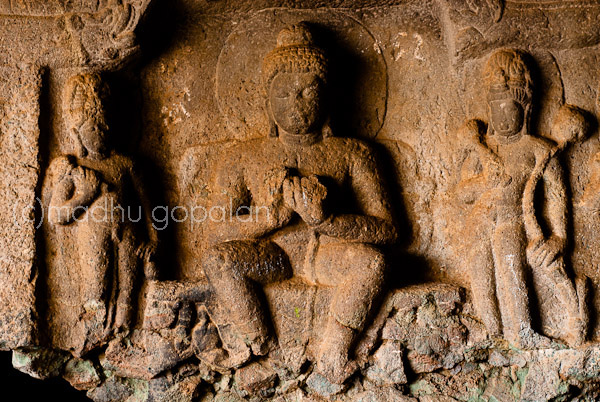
pixel 509 92
pixel 295 75
pixel 84 113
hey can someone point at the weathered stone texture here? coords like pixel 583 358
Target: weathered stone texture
pixel 97 34
pixel 424 178
pixel 19 152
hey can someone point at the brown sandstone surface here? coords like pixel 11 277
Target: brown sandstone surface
pixel 223 200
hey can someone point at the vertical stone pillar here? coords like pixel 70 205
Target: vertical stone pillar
pixel 19 170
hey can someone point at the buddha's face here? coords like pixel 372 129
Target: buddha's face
pixel 507 117
pixel 296 101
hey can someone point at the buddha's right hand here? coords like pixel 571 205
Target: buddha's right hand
pixel 306 196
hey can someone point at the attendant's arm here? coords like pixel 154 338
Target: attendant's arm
pixel 543 251
pixel 475 178
pixel 474 171
pixel 74 190
pixel 375 224
pixel 137 179
pixel 556 197
pixel 591 195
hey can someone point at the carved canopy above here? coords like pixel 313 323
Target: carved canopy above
pixel 57 33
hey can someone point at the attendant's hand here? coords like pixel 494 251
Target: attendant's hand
pixel 147 253
pixel 542 252
pixel 86 182
pixel 280 214
pixel 274 180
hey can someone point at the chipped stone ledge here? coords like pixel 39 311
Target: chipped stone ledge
pixel 427 346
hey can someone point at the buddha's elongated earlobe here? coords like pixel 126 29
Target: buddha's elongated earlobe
pixel 273 130
pixel 526 118
pixel 490 130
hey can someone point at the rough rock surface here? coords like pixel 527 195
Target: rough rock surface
pixel 406 366
pixel 302 200
pixel 19 116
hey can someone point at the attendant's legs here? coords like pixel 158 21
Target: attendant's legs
pixel 483 285
pixel 96 253
pixel 568 296
pixel 97 262
pixel 127 269
pixel 508 246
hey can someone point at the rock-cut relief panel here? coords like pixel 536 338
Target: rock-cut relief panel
pixel 516 230
pixel 100 236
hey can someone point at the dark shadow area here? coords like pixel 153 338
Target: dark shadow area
pixel 46 124
pixel 155 35
pixel 538 92
pixel 127 132
pixel 405 268
pixel 345 66
pixel 28 389
pixel 158 30
pixel 535 310
pixel 593 310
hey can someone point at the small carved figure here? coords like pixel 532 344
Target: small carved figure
pixel 499 180
pixel 300 180
pixel 100 192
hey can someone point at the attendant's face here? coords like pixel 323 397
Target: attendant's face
pixel 507 117
pixel 91 132
pixel 296 101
